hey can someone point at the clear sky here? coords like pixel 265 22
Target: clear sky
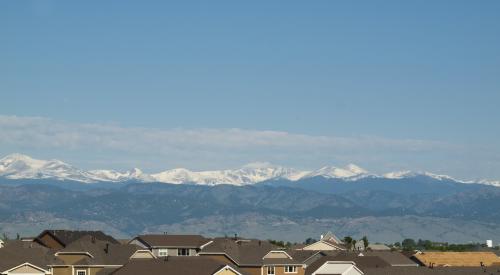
pixel 387 85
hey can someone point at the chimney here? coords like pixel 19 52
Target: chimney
pixel 165 233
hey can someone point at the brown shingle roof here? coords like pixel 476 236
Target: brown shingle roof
pixel 66 237
pixel 248 252
pixel 173 265
pixel 472 259
pixel 104 253
pixel 360 261
pixel 18 252
pixel 394 258
pixel 186 241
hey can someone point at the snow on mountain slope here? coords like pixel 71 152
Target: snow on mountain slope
pixel 251 173
pixel 111 175
pixel 18 166
pixel 351 172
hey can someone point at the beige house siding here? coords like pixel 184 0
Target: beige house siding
pixel 61 271
pixel 142 255
pixel 173 252
pixel 26 269
pixel 280 270
pixel 71 259
pixel 320 246
pixel 276 255
pixel 226 271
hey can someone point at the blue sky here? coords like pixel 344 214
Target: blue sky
pixel 388 85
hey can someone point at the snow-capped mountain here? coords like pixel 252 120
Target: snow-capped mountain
pixel 350 172
pixel 18 166
pixel 248 174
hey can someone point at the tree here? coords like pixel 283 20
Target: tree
pixel 310 241
pixel 5 237
pixel 348 242
pixel 409 244
pixel 18 237
pixel 354 244
pixel 365 242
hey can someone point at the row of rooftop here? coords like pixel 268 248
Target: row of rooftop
pixel 66 252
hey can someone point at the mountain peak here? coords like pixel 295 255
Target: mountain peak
pixel 20 166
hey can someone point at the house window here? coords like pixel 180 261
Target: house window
pixel 81 272
pixel 162 252
pixel 290 269
pixel 270 270
pixel 183 252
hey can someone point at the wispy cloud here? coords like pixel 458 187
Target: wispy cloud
pixel 205 148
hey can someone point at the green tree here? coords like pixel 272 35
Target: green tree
pixel 365 242
pixel 409 244
pixel 310 241
pixel 348 242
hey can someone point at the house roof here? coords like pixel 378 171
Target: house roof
pixel 329 242
pixel 15 253
pixel 66 237
pixel 185 241
pixel 243 252
pixel 430 271
pixel 331 238
pixel 103 252
pixel 472 259
pixel 394 258
pixel 360 261
pixel 376 246
pixel 173 265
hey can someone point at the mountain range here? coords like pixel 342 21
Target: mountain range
pixel 258 200
pixel 19 166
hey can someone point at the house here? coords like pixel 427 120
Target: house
pixel 393 258
pixel 458 259
pixel 337 268
pixel 327 242
pixel 172 245
pixel 19 257
pixel 59 239
pixel 177 265
pixel 89 256
pixel 2 243
pixel 361 262
pixel 360 246
pixel 256 257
